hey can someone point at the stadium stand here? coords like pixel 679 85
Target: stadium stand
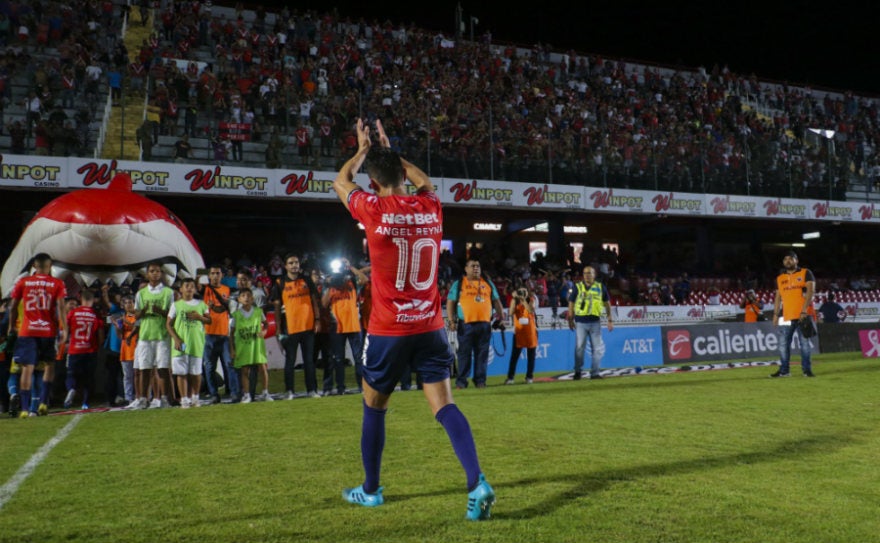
pixel 475 109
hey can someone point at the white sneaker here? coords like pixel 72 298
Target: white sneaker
pixel 155 404
pixel 289 395
pixel 164 402
pixel 266 397
pixel 135 404
pixel 508 382
pixel 528 381
pixel 119 400
pixel 246 398
pixel 314 394
pixel 185 402
pixel 195 401
pixel 68 401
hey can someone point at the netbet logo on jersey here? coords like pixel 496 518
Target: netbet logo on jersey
pixel 397 224
pixel 409 218
pixel 678 344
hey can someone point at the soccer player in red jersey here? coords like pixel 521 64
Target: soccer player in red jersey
pixel 42 299
pixel 406 324
pixel 85 332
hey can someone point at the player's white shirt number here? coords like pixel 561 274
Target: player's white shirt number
pixel 409 265
pixel 37 300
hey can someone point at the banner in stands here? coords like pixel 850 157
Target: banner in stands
pixel 870 342
pixel 724 341
pixel 33 172
pixel 57 173
pixel 235 132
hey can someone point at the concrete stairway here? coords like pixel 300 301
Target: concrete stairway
pixel 121 140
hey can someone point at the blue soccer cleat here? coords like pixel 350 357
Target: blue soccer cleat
pixel 480 501
pixel 358 496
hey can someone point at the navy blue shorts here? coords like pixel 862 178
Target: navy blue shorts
pixel 386 358
pixel 31 350
pixel 81 364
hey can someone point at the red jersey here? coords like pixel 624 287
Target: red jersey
pixel 403 235
pixel 83 325
pixel 38 295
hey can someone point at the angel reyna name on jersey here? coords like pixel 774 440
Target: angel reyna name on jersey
pixel 396 224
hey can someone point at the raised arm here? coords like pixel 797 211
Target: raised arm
pixel 344 183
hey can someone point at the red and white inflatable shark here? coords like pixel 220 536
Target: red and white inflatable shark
pixel 104 234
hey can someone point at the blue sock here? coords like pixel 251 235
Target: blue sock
pixel 12 384
pixel 25 400
pixel 372 444
pixel 459 432
pixel 44 393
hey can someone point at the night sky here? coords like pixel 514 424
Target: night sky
pixel 828 44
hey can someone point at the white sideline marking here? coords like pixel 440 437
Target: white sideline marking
pixel 8 490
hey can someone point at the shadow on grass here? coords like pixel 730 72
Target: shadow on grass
pixel 586 483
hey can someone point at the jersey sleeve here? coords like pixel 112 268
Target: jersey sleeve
pixel 16 291
pixel 360 203
pixel 808 275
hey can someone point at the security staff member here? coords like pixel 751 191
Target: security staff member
pixel 469 312
pixel 585 305
pixel 794 302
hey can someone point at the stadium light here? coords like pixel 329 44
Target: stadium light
pixel 798 244
pixel 811 235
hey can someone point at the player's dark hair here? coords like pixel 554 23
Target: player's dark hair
pixel 87 295
pixel 41 259
pixel 288 255
pixel 384 167
pixel 246 272
pixel 186 280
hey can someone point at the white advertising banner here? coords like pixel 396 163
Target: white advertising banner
pixel 615 200
pixel 58 173
pixel 33 172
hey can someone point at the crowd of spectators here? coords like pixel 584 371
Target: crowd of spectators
pixel 484 110
pixel 552 279
pixel 472 109
pixel 56 61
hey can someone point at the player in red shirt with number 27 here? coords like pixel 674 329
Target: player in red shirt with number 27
pixel 406 324
pixel 85 332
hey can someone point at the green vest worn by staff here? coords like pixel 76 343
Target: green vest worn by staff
pixel 589 300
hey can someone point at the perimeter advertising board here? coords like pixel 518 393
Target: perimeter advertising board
pixel 727 341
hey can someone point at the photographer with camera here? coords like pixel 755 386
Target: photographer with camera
pixel 585 305
pixel 340 297
pixel 754 309
pixel 525 332
pixel 468 312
